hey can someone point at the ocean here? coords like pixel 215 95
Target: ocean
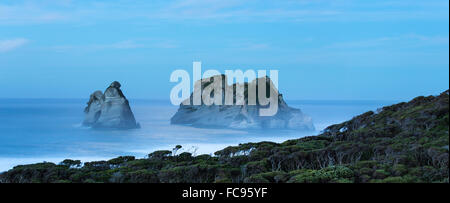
pixel 37 130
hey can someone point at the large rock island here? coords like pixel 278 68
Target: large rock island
pixel 402 143
pixel 110 110
pixel 239 116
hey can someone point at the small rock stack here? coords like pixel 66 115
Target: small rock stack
pixel 109 110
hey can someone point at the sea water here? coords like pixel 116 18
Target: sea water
pixel 37 130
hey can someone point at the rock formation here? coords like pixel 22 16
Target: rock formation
pixel 402 143
pixel 239 116
pixel 109 110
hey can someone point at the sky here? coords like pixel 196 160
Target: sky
pixel 323 50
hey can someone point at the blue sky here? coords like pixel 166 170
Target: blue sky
pixel 385 50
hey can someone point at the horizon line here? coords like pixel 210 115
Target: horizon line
pixel 159 99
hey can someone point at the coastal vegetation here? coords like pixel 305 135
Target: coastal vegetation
pixel 402 143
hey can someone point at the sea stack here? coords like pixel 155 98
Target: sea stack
pixel 109 110
pixel 239 116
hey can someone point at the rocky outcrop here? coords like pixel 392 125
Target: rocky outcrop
pixel 403 143
pixel 239 116
pixel 110 110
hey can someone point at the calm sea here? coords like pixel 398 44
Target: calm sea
pixel 36 130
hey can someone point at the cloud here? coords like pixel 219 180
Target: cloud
pixel 167 45
pixel 254 46
pixel 439 40
pixel 11 44
pixel 27 13
pixel 30 12
pixel 127 44
pixel 136 43
pixel 410 40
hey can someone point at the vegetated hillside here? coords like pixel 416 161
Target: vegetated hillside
pixel 405 142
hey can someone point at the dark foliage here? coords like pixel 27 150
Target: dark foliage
pixel 405 142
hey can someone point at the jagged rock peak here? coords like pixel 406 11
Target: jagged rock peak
pixel 239 116
pixel 110 110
